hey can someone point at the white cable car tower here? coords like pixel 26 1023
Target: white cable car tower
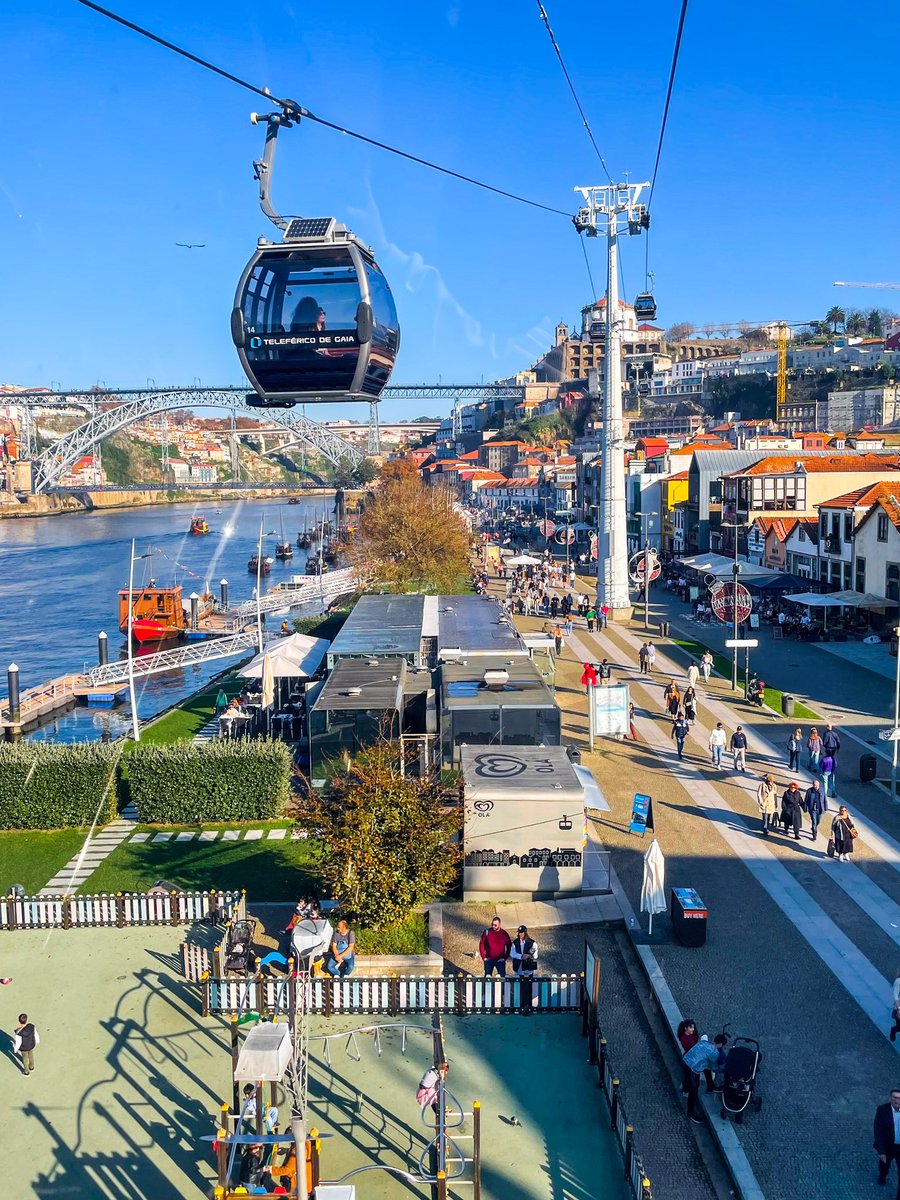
pixel 608 211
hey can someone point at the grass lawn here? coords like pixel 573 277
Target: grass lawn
pixel 189 717
pixel 33 857
pixel 270 871
pixel 722 664
pixel 409 936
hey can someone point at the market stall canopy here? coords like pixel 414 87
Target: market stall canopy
pixel 523 560
pixel 863 600
pixel 722 567
pixel 294 657
pixel 815 600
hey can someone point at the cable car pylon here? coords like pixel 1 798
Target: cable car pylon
pixel 607 212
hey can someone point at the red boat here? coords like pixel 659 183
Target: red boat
pixel 159 614
pixel 198 525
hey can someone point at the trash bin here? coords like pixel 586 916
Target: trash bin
pixel 689 917
pixel 573 754
pixel 868 766
pixel 664 629
pixel 787 704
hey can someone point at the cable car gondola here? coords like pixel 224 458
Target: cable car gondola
pixel 314 320
pixel 645 307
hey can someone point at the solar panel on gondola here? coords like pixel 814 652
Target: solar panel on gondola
pixel 314 319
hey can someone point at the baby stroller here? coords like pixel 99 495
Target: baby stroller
pixel 740 1085
pixel 239 947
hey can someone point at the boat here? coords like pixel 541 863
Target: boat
pixel 218 512
pixel 198 525
pixel 294 500
pixel 259 568
pixel 283 549
pixel 159 614
pixel 304 538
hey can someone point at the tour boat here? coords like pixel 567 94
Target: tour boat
pixel 198 525
pixel 283 549
pixel 294 500
pixel 159 613
pixel 259 568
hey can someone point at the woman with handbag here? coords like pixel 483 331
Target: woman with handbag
pixel 843 832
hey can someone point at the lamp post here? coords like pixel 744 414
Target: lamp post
pixel 735 574
pixel 135 724
pixel 645 517
pixel 259 549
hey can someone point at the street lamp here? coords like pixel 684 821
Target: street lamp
pixel 259 627
pixel 735 573
pixel 131 693
pixel 645 517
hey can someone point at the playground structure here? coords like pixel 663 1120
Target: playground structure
pixel 276 1052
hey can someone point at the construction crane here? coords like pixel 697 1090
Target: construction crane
pixel 781 391
pixel 889 286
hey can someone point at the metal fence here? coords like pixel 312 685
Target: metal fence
pixel 611 1087
pixel 396 994
pixel 119 910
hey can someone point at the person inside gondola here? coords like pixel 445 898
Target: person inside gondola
pixel 308 316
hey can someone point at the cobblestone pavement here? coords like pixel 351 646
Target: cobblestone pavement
pixel 561 950
pixel 801 949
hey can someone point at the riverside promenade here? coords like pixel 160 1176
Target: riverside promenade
pixel 802 950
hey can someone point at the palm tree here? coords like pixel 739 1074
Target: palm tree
pixel 855 323
pixel 835 316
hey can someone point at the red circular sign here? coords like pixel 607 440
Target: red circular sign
pixel 565 535
pixel 547 527
pixel 594 545
pixel 636 566
pixel 725 597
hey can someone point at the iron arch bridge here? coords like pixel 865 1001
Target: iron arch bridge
pixel 111 412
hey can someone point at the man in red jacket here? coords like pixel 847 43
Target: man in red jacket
pixel 494 948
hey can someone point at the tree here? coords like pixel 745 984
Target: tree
pixel 835 316
pixel 347 474
pixel 409 537
pixel 680 332
pixel 855 323
pixel 391 839
pixel 874 324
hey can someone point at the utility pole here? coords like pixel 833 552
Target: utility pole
pixel 605 208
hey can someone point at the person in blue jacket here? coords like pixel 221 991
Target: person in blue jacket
pixel 705 1056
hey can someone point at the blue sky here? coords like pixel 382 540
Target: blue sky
pixel 779 174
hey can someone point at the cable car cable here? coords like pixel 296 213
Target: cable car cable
pixel 297 111
pixel 584 120
pixel 665 116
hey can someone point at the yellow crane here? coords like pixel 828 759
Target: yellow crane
pixel 781 391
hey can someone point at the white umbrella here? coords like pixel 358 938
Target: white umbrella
pixel 294 657
pixel 268 683
pixel 653 889
pixel 523 560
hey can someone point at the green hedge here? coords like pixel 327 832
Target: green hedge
pixel 49 786
pixel 186 784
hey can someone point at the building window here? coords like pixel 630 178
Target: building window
pixel 848 526
pixel 892 582
pixel 882 527
pixel 860 584
pixel 823 525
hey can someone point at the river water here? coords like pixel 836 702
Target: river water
pixel 60 579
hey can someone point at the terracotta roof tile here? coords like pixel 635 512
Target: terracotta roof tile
pixel 786 464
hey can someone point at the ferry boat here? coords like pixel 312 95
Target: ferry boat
pixel 198 525
pixel 294 500
pixel 159 614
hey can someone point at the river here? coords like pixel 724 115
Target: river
pixel 60 579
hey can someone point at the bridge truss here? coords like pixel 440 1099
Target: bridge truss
pixel 111 412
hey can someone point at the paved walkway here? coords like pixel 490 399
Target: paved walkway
pixel 96 848
pixel 802 950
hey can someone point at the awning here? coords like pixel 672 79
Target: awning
pixel 815 600
pixel 777 583
pixel 294 657
pixel 863 600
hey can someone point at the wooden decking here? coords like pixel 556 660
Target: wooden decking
pixel 56 695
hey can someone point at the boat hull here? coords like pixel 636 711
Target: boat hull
pixel 144 630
